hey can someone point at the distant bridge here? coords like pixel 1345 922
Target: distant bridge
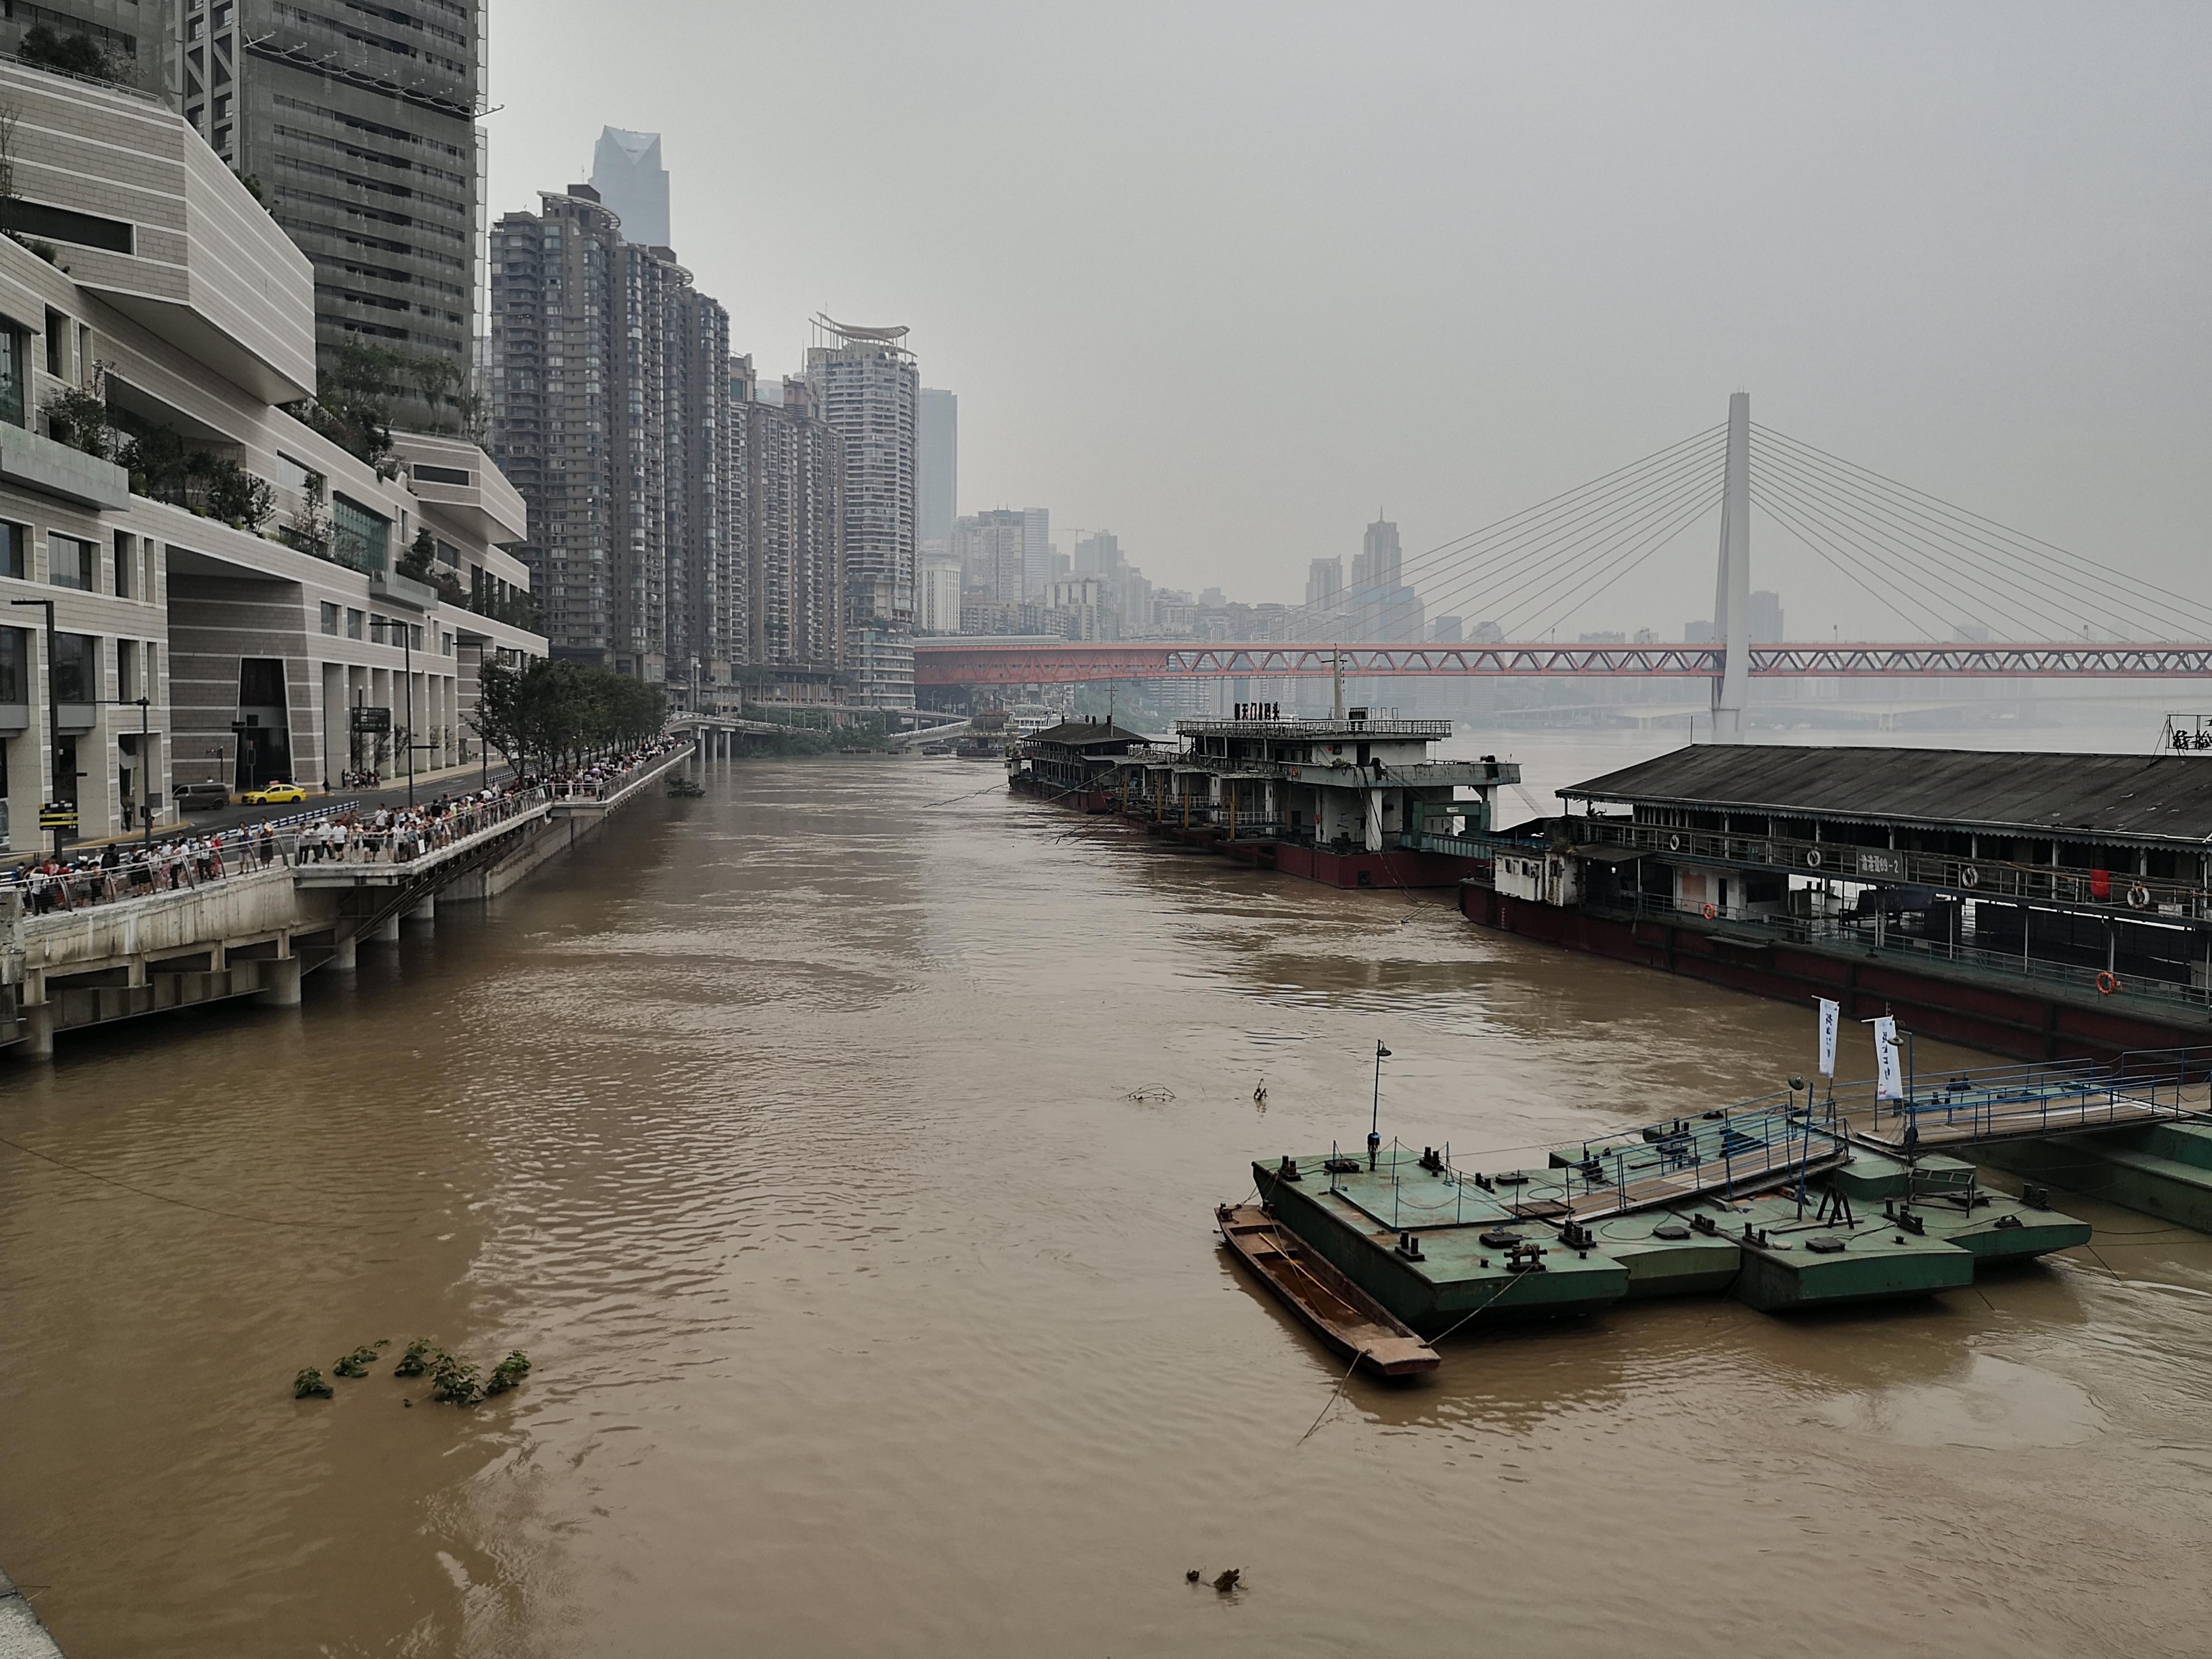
pixel 1942 570
pixel 943 662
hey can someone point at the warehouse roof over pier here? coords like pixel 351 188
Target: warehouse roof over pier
pixel 2162 798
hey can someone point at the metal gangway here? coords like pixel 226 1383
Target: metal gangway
pixel 1753 1146
pixel 2013 1102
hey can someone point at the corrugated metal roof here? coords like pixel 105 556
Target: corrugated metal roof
pixel 2131 797
pixel 1086 734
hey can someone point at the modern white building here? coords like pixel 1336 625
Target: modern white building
pixel 869 391
pixel 224 579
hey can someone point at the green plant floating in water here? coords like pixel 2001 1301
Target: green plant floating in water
pixel 508 1373
pixel 357 1363
pixel 421 1353
pixel 309 1385
pixel 455 1382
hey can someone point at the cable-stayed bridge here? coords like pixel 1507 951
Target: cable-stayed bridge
pixel 2028 609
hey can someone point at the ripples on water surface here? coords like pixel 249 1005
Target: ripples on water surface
pixel 792 1132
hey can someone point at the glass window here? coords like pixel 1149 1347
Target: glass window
pixel 359 537
pixel 13 539
pixel 14 648
pixel 69 563
pixel 77 668
pixel 125 548
pixel 414 637
pixel 354 620
pixel 330 617
pixel 154 670
pixel 127 670
pixel 11 374
pixel 56 324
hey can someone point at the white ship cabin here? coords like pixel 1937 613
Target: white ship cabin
pixel 1361 781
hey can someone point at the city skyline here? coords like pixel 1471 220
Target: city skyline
pixel 1629 330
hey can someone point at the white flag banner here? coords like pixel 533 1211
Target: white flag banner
pixel 1889 1074
pixel 1832 1014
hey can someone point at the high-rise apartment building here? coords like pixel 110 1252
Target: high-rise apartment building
pixel 938 486
pixel 937 601
pixel 869 393
pixel 626 171
pixel 610 412
pixel 788 473
pixel 356 125
pixel 992 548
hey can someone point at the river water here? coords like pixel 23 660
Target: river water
pixel 842 1148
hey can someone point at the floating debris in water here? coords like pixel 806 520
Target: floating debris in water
pixel 1229 1580
pixel 1194 1575
pixel 508 1373
pixel 309 1385
pixel 1152 1094
pixel 455 1382
pixel 357 1363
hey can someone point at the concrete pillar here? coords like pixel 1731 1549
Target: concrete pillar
pixel 345 958
pixel 38 1031
pixel 280 983
pixel 426 913
pixel 1374 821
pixel 387 931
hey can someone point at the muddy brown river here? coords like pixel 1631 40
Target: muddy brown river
pixel 842 1148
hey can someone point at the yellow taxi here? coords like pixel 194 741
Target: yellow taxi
pixel 274 794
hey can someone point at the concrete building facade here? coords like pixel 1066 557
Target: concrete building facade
pixel 224 580
pixel 787 471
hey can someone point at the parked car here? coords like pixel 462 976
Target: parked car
pixel 275 794
pixel 202 797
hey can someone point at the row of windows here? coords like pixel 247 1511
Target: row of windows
pixel 377 128
pixel 384 631
pixel 75 563
pixel 78 666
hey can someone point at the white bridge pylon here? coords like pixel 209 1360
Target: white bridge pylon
pixel 1732 588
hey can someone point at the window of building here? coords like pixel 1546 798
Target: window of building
pixel 127 670
pixel 69 562
pixel 195 28
pixel 15 662
pixel 14 538
pixel 221 139
pixel 126 551
pixel 11 374
pixel 359 537
pixel 77 668
pixel 154 670
pixel 57 336
pixel 414 636
pixel 222 107
pixel 221 17
pixel 354 620
pixel 330 617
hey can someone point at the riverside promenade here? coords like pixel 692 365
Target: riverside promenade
pixel 202 921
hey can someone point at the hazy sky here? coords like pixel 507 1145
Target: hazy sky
pixel 1225 278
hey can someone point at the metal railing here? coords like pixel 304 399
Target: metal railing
pixel 1750 1144
pixel 1969 878
pixel 302 841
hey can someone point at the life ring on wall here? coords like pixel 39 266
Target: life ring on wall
pixel 1709 913
pixel 2138 896
pixel 1969 878
pixel 2106 984
pixel 1813 859
pixel 1673 843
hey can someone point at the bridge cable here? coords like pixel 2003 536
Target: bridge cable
pixel 1882 512
pixel 2002 541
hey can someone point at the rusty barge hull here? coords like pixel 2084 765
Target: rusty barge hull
pixel 2019 1023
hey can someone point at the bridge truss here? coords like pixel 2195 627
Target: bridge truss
pixel 967 663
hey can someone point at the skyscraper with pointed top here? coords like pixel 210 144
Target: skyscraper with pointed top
pixel 626 173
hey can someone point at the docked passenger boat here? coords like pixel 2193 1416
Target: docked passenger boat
pixel 1339 1311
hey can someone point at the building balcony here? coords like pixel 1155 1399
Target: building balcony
pixel 33 462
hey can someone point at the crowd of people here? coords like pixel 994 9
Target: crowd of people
pixel 350 833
